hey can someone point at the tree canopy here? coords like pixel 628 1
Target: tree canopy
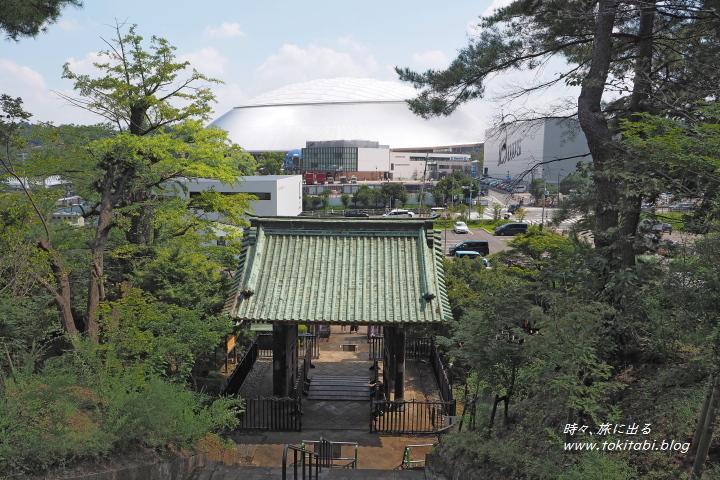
pixel 644 55
pixel 29 18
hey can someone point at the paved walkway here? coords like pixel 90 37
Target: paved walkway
pixel 338 420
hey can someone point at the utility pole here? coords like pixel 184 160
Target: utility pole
pixel 422 188
pixel 544 187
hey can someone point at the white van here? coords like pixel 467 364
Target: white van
pixel 397 213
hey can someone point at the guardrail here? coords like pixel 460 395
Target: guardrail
pixel 408 417
pixel 407 461
pixel 330 452
pixel 299 456
pixel 242 370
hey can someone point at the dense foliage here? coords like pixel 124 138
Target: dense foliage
pixel 109 328
pixel 535 349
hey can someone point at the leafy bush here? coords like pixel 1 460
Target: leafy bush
pixel 84 404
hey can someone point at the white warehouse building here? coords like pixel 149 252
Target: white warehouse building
pixel 278 195
pixel 549 149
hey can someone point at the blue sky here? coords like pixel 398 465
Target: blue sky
pixel 253 47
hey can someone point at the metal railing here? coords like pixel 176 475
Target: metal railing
pixel 277 414
pixel 242 370
pixel 299 456
pixel 309 340
pixel 418 348
pixel 265 346
pixel 377 346
pixel 330 453
pixel 408 417
pixel 407 461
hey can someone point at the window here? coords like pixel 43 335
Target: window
pixel 259 195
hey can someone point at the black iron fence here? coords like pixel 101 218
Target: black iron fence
pixel 418 348
pixel 305 464
pixel 407 417
pixel 279 414
pixel 309 340
pixel 241 371
pixel 377 347
pixel 443 381
pixel 265 346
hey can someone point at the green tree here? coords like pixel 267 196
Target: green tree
pixel 538 188
pixel 270 163
pixel 325 196
pixel 126 177
pixel 364 196
pixel 30 17
pixel 661 52
pixel 393 194
pixel 345 200
pixel 455 188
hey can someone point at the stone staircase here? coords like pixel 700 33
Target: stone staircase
pixel 217 471
pixel 338 387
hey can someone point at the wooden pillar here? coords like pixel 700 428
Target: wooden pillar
pixel 285 339
pixel 399 341
pixel 389 360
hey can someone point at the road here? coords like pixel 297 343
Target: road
pixel 495 244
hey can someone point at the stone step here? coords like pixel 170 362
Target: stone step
pixel 345 474
pixel 217 471
pixel 336 387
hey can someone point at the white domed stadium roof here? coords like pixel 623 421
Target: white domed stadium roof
pixel 343 109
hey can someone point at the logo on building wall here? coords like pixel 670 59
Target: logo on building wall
pixel 508 151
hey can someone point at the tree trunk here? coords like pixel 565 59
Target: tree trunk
pixel 706 438
pixel 141 231
pixel 96 287
pixel 61 293
pixel 703 415
pixel 596 130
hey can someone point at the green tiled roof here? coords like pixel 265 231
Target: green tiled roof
pixel 340 270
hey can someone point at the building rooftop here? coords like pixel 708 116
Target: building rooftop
pixel 343 108
pixel 302 270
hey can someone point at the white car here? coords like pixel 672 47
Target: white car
pixel 397 213
pixel 461 227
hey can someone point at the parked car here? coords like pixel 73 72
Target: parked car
pixel 511 229
pixel 480 246
pixel 682 206
pixel 355 213
pixel 397 213
pixel 471 255
pixel 656 226
pixel 461 227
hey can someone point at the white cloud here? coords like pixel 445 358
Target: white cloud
pixel 434 59
pixel 496 4
pixel 293 64
pixel 85 66
pixel 13 74
pixel 350 42
pixel 225 30
pixel 44 104
pixel 207 61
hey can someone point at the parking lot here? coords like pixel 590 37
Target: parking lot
pixel 496 244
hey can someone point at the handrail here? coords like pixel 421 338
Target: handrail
pixel 407 460
pixel 354 459
pixel 301 463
